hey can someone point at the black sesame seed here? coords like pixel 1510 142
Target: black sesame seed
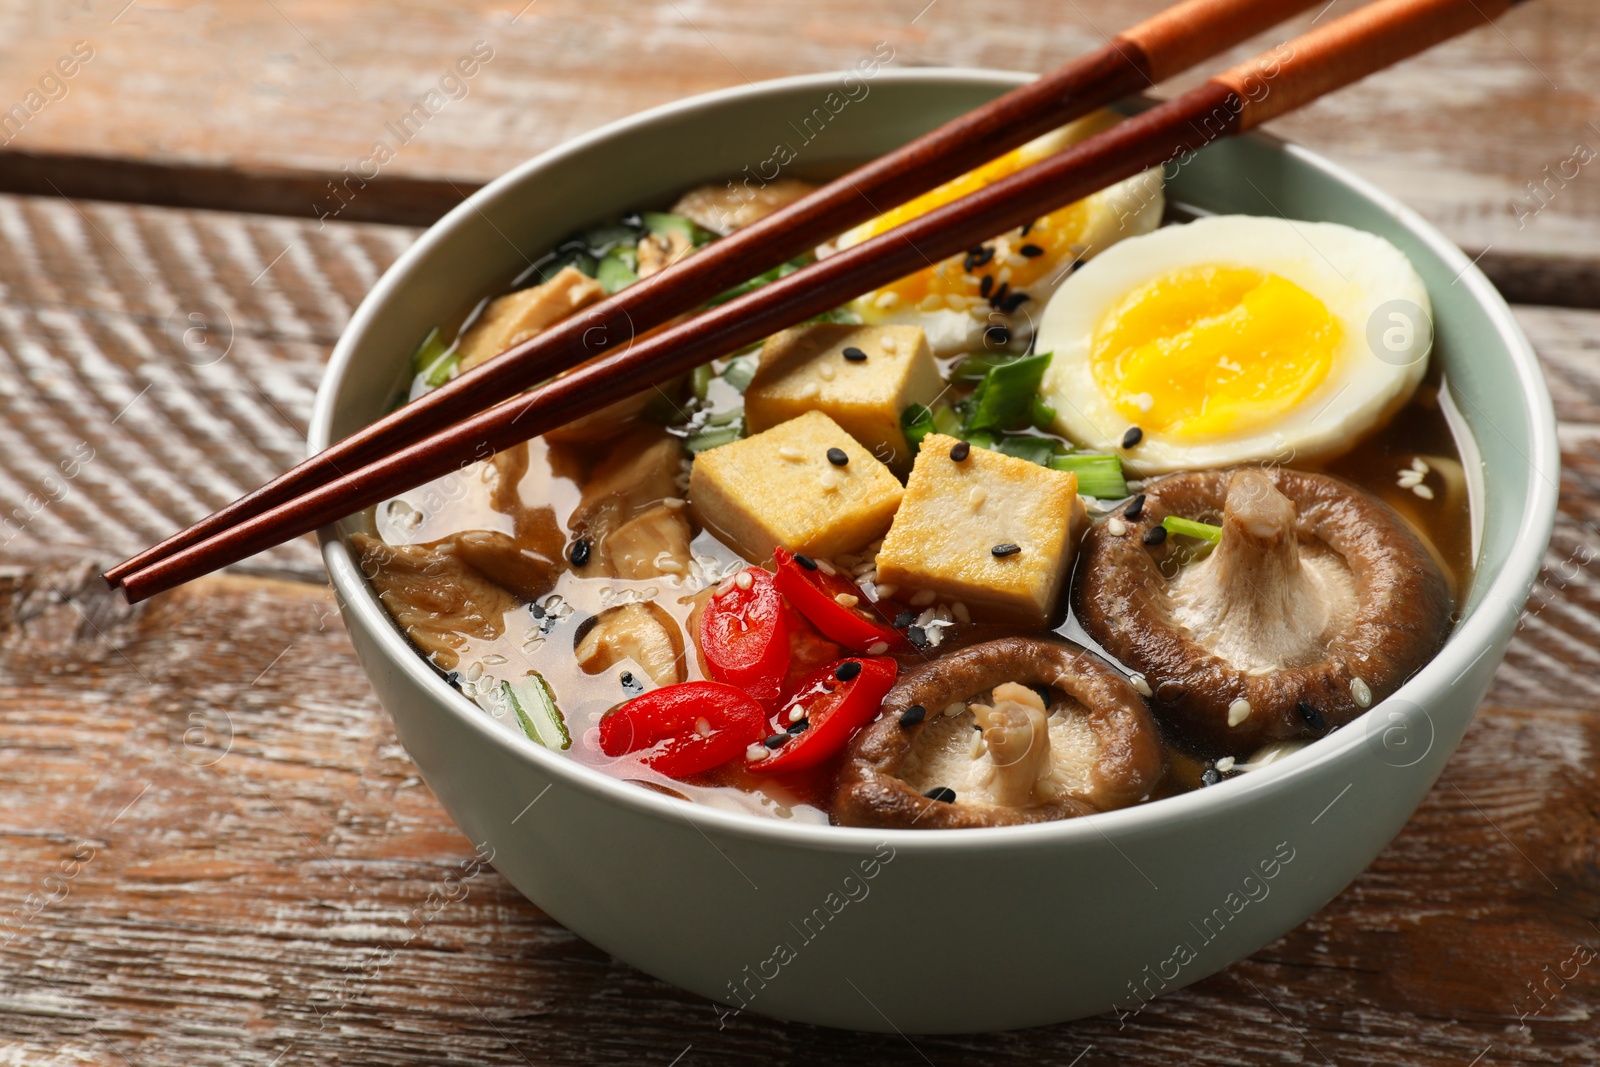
pixel 847 670
pixel 1007 549
pixel 960 450
pixel 627 678
pixel 806 561
pixel 1132 437
pixel 580 552
pixel 1031 251
pixel 1311 716
pixel 799 726
pixel 1210 776
pixel 775 740
pixel 917 636
pixel 986 286
pixel 1135 507
pixel 1025 229
pixel 1011 303
pixel 1155 535
pixel 904 619
pixel 980 256
pixel 998 335
pixel 913 715
pixel 942 793
pixel 1043 691
pixel 537 609
pixel 837 457
pixel 855 355
pixel 999 295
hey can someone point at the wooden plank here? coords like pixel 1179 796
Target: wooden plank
pixel 252 868
pixel 256 102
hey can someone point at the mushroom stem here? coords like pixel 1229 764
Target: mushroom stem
pixel 1253 599
pixel 1016 729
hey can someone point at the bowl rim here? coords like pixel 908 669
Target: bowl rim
pixel 1478 629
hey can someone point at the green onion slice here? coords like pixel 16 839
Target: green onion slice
pixel 535 707
pixel 1189 528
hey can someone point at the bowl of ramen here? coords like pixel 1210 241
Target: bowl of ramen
pixel 1121 584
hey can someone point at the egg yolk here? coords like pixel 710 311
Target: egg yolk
pixel 1213 350
pixel 1024 256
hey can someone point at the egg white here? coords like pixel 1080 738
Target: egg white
pixel 1352 272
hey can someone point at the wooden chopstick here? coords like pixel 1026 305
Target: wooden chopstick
pixel 1232 102
pixel 1152 51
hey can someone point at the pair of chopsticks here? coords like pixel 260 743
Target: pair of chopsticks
pixel 454 425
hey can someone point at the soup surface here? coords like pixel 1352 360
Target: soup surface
pixel 560 581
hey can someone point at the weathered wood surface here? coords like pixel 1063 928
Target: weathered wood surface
pixel 212 849
pixel 255 103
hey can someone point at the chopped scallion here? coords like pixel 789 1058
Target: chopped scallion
pixel 740 370
pixel 1189 528
pixel 1098 475
pixel 618 269
pixel 1043 415
pixel 535 707
pixel 917 422
pixel 1004 398
pixel 700 380
pixel 434 361
pixel 1024 446
pixel 714 435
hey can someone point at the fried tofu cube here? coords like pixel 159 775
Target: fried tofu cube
pixel 515 317
pixel 960 519
pixel 780 488
pixel 805 369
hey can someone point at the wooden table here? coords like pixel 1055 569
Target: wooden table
pixel 214 850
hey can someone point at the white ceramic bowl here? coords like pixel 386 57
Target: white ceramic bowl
pixel 935 931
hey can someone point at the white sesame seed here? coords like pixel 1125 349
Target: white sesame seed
pixel 1423 491
pixel 1361 692
pixel 889 343
pixel 923 597
pixel 829 481
pixel 1225 764
pixel 668 565
pixel 826 372
pixel 1140 685
pixel 976 748
pixel 955 709
pixel 474 671
pixel 756 753
pixel 807 391
pixel 887 299
pixel 494 660
pixel 846 600
pixel 886 591
pixel 702 726
pixel 1420 465
pixel 674 501
pixel 959 610
pixel 743 580
pixel 725 588
pixel 826 567
pixel 791 453
pixel 1145 401
pixel 977 497
pixel 877 648
pixel 927 616
pixel 796 714
pixel 1238 711
pixel 1116 527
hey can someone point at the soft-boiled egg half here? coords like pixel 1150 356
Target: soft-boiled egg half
pixel 1235 339
pixel 991 296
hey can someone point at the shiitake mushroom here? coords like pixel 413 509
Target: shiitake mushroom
pixel 1317 601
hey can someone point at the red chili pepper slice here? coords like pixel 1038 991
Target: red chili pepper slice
pixel 812 591
pixel 834 709
pixel 744 636
pixel 668 722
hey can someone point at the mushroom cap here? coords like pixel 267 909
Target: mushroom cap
pixel 1128 762
pixel 1328 603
